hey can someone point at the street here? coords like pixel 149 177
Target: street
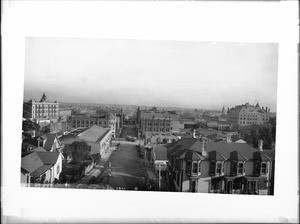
pixel 125 168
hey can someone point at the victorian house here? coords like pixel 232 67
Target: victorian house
pixel 220 167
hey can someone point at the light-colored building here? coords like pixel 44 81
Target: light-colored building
pixel 247 114
pixel 41 167
pixel 105 120
pixel 156 138
pixel 98 138
pixel 222 167
pixel 41 110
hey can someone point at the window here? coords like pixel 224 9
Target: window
pixel 219 168
pixel 233 168
pixel 188 167
pixel 257 168
pixel 199 167
pixel 240 168
pixel 212 168
pixel 195 168
pixel 264 168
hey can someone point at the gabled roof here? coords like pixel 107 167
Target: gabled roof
pixel 31 162
pixel 183 143
pixel 216 156
pixel 235 156
pixel 48 158
pixel 193 155
pixel 50 141
pixel 260 156
pixel 94 134
pixel 270 153
pixel 38 162
pixel 41 170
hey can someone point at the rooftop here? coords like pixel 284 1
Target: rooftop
pixel 219 150
pixel 94 134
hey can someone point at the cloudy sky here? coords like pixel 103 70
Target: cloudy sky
pixel 152 73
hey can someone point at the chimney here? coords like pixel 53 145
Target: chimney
pixel 33 134
pixel 204 152
pixel 263 108
pixel 266 109
pixel 228 138
pixel 260 145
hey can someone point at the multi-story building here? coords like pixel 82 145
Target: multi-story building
pixel 154 121
pixel 41 110
pixel 247 114
pixel 105 120
pixel 231 168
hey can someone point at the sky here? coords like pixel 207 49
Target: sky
pixel 202 75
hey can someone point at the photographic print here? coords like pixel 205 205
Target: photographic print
pixel 145 115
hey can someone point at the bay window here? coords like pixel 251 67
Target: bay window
pixel 193 168
pixel 240 168
pixel 216 168
pixel 260 168
pixel 264 168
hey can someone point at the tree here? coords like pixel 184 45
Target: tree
pixel 265 135
pixel 78 150
pixel 273 133
pixel 46 129
pixel 28 125
pixel 254 137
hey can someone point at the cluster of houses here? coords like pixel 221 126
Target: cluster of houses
pixel 207 160
pixel 43 156
pixel 196 165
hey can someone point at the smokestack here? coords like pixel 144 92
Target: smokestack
pixel 260 145
pixel 204 152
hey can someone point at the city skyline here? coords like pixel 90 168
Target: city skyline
pixel 151 73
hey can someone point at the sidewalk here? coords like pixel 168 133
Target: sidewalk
pixel 106 156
